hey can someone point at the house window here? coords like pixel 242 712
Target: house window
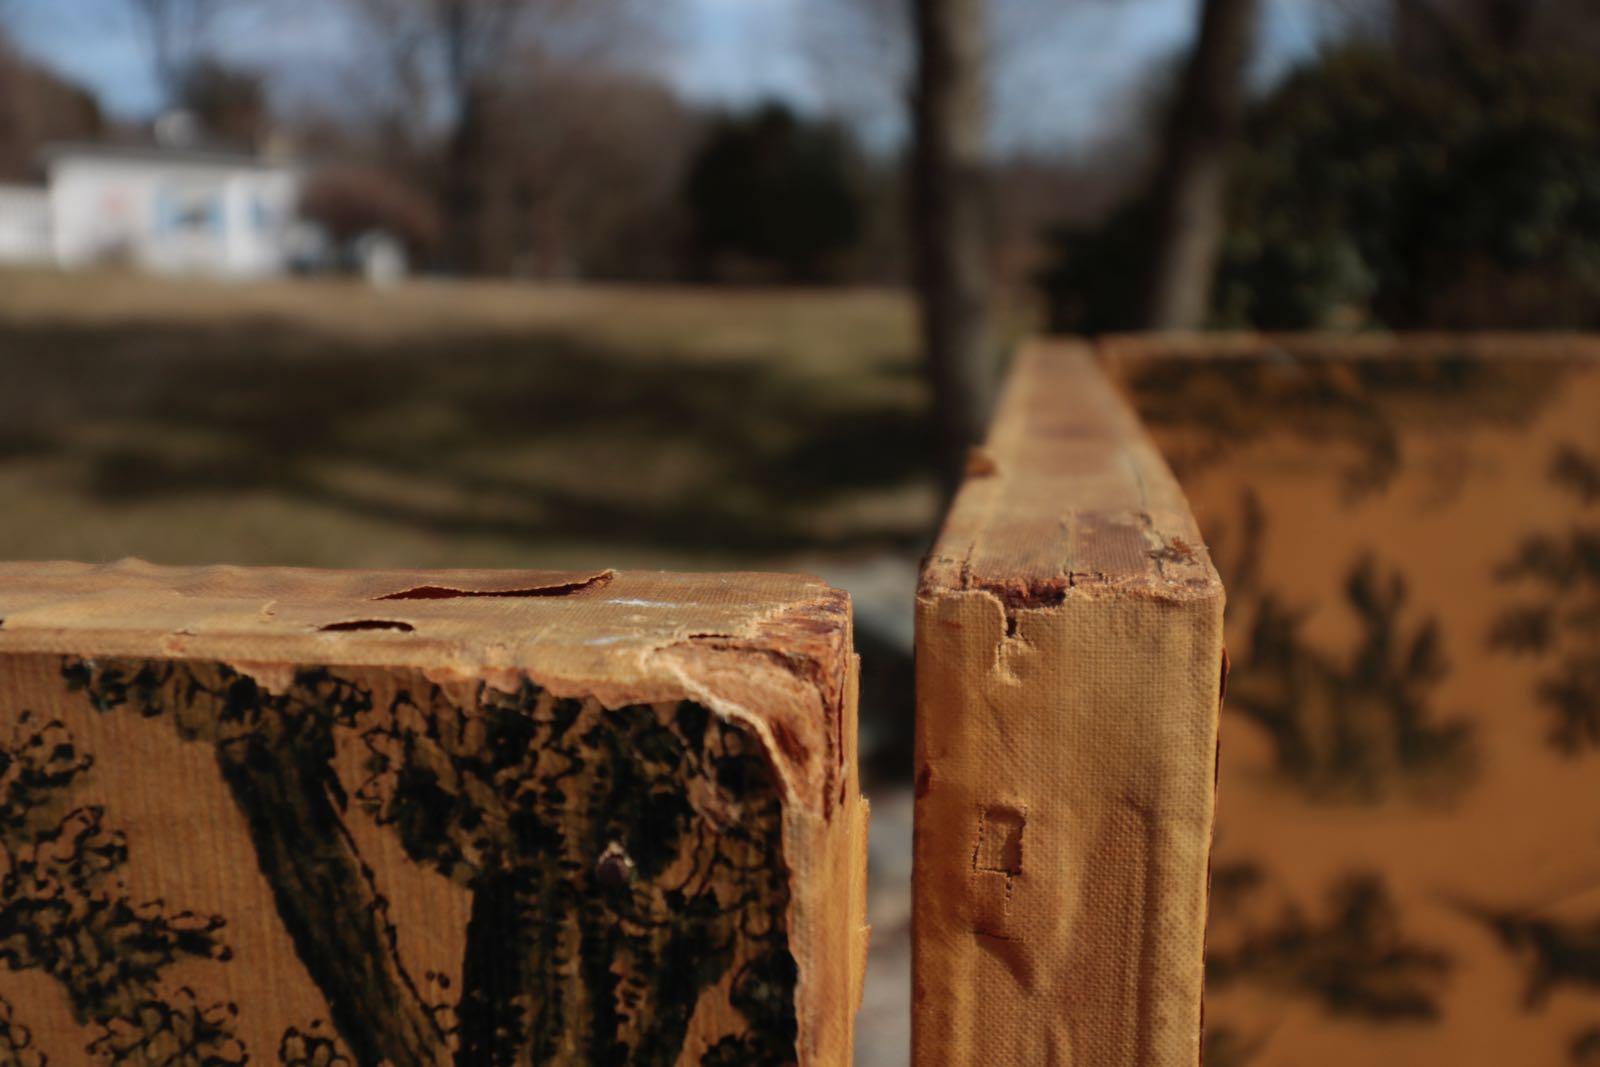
pixel 189 211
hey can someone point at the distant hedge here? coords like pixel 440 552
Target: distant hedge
pixel 1370 190
pixel 774 196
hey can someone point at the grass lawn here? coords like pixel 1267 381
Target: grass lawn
pixel 326 424
pixel 435 424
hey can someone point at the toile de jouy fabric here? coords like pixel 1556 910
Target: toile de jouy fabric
pixel 1407 863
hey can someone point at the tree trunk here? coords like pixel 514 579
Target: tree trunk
pixel 465 161
pixel 519 1001
pixel 559 967
pixel 1203 127
pixel 491 982
pixel 327 901
pixel 948 230
pixel 1509 23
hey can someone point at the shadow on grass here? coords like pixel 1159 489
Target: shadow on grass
pixel 529 436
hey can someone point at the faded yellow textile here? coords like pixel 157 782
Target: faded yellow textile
pixel 1408 849
pixel 409 817
pixel 1069 652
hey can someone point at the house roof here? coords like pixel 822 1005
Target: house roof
pixel 198 155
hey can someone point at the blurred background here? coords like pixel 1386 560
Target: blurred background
pixel 717 284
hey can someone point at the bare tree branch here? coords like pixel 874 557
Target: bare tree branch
pixel 1200 134
pixel 445 62
pixel 176 34
pixel 950 111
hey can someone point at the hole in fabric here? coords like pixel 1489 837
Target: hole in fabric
pixel 999 846
pixel 442 592
pixel 366 624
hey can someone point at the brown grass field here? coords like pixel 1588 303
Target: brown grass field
pixel 436 424
pixel 439 424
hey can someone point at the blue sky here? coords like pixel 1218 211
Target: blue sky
pixel 1063 87
pixel 95 43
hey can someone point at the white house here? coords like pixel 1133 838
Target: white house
pixel 170 209
pixel 24 224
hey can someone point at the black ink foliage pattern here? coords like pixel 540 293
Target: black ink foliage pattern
pixel 1558 622
pixel 651 834
pixel 1351 725
pixel 1354 960
pixel 65 911
pixel 1555 953
pixel 1226 1047
pixel 16 1041
pixel 1585 1047
pixel 622 862
pixel 1203 411
pixel 311 1048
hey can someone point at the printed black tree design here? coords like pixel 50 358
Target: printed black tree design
pixel 1206 410
pixel 275 753
pixel 1562 627
pixel 1350 724
pixel 559 808
pixel 1355 961
pixel 1555 953
pixel 64 910
pixel 1585 1047
pixel 311 1048
pixel 1226 1047
pixel 621 861
pixel 16 1041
